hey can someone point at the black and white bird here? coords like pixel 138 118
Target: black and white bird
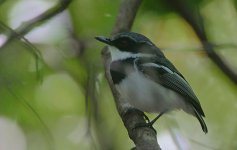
pixel 147 80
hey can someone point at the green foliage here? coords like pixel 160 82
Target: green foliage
pixel 163 7
pixel 72 103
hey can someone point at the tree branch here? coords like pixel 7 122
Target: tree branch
pixel 144 137
pixel 2 1
pixel 32 49
pixel 25 27
pixel 181 6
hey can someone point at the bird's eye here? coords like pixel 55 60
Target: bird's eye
pixel 123 43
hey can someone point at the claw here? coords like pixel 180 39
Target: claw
pixel 149 123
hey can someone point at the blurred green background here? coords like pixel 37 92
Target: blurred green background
pixel 61 100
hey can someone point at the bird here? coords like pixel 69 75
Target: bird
pixel 147 80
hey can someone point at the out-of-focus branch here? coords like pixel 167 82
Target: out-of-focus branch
pixel 2 1
pixel 22 101
pixel 25 27
pixel 197 23
pixel 126 16
pixel 144 137
pixel 32 49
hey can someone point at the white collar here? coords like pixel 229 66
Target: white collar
pixel 121 55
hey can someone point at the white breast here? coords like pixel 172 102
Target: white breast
pixel 143 93
pixel 146 95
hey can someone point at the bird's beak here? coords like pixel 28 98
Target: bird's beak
pixel 103 39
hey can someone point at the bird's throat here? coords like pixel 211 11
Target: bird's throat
pixel 116 54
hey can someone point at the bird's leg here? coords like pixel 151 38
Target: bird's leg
pixel 145 117
pixel 150 123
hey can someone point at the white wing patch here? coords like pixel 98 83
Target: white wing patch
pixel 158 66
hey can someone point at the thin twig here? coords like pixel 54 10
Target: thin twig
pixel 182 7
pixel 48 135
pixel 25 27
pixel 91 103
pixel 32 49
pixel 144 138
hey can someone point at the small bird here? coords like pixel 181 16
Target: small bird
pixel 147 80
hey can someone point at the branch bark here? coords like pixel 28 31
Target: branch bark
pixel 144 138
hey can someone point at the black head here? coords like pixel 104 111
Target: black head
pixel 130 42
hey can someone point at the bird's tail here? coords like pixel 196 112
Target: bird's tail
pixel 202 122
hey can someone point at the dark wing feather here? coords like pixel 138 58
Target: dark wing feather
pixel 171 79
pixel 161 61
pixel 201 121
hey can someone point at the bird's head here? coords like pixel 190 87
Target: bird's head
pixel 129 44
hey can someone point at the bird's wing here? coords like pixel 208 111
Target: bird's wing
pixel 170 78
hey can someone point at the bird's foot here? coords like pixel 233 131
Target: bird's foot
pixel 148 123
